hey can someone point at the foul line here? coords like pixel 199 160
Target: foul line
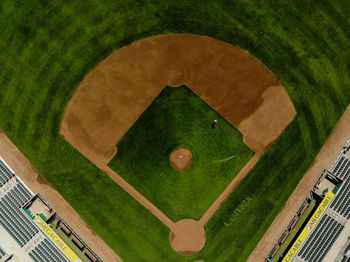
pixel 136 195
pixel 224 195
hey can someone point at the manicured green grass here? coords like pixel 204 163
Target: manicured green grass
pixel 179 118
pixel 47 47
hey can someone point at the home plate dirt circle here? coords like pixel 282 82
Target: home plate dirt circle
pixel 181 159
pixel 187 237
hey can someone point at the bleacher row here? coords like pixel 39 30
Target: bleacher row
pixel 5 175
pixel 321 240
pixel 342 169
pixel 341 202
pixel 345 259
pixel 337 166
pixel 45 251
pixel 16 223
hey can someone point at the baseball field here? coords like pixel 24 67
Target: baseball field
pixel 49 47
pixel 180 119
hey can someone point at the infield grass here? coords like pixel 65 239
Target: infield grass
pixel 179 118
pixel 47 48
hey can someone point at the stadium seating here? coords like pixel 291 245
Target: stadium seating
pixel 346 259
pixel 5 175
pixel 330 226
pixel 45 251
pixel 343 171
pixel 341 202
pixel 19 226
pixel 344 163
pixel 311 239
pixel 321 240
pixel 12 219
pixel 340 162
pixel 23 190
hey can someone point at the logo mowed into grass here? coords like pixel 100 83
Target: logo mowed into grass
pixel 238 211
pixel 178 118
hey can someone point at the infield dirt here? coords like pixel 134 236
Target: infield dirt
pixel 112 97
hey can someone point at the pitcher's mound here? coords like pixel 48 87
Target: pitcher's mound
pixel 187 237
pixel 181 159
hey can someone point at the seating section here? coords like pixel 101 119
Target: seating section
pixel 345 259
pixel 23 190
pixel 331 224
pixel 5 175
pixel 21 227
pixel 321 240
pixel 18 224
pixel 13 220
pixel 46 252
pixel 344 170
pixel 341 202
pixel 340 162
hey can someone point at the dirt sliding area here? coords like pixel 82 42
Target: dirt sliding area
pixel 114 95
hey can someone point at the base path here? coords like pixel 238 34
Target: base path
pixel 215 206
pixel 324 160
pixel 187 236
pixel 135 194
pixel 25 171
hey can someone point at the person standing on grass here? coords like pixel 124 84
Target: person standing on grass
pixel 213 123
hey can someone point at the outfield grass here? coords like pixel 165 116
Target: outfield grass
pixel 47 47
pixel 179 118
